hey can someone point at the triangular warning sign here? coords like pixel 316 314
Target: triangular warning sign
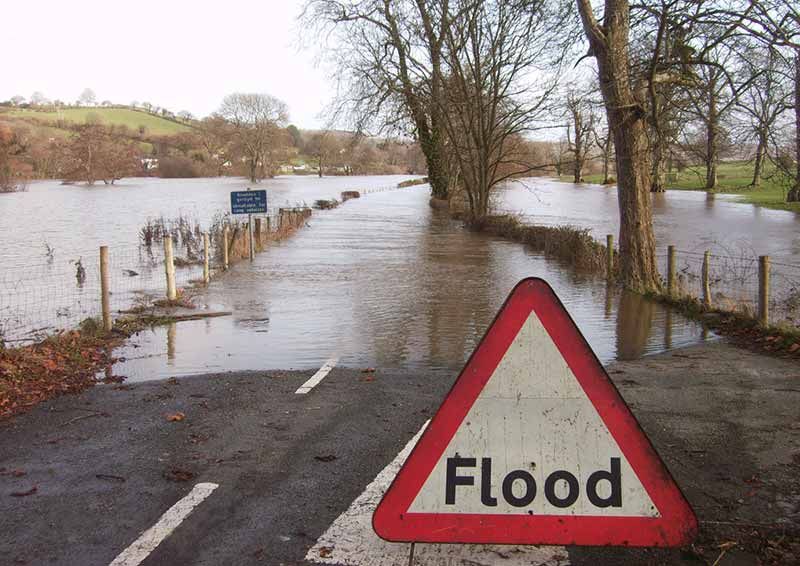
pixel 534 445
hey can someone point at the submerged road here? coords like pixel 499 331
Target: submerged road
pixel 285 467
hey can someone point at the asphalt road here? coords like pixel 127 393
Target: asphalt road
pixel 82 477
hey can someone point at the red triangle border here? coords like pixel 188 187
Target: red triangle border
pixel 677 524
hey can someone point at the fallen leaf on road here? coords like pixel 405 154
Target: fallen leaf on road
pixel 31 491
pixel 325 551
pixel 177 474
pixel 326 458
pixel 176 417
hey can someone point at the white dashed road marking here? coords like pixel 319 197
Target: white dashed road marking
pixel 317 377
pixel 350 539
pixel 169 521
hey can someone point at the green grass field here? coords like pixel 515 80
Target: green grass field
pixel 734 177
pixel 154 125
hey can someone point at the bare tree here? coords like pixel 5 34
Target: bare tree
pixel 626 118
pixel 38 99
pixel 603 138
pixel 389 63
pixel 96 153
pixel 87 98
pixel 216 136
pixel 492 50
pixel 764 101
pixel 14 172
pixel 323 146
pixel 257 120
pixel 579 130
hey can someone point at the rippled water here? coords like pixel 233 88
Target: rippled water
pixel 383 280
pixel 387 281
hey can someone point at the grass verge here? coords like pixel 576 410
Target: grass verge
pixel 568 243
pixel 734 179
pixel 740 327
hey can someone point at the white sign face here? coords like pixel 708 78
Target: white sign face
pixel 533 443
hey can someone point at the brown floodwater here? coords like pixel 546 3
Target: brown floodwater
pixel 382 281
pixel 385 281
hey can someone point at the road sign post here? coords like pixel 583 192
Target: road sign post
pixel 249 202
pixel 534 445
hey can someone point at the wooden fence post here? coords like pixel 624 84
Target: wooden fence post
pixel 206 270
pixel 610 256
pixel 671 271
pixel 706 279
pixel 104 289
pixel 225 244
pixel 169 269
pixel 763 290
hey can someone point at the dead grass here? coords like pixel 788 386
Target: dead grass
pixel 412 182
pixel 65 363
pixel 324 204
pixel 739 324
pixel 573 245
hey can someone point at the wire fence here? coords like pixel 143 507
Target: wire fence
pixel 59 294
pixel 734 283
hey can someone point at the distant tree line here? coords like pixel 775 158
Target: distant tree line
pixel 247 136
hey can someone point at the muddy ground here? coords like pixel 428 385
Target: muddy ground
pixel 82 476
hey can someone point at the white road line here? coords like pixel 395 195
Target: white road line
pixel 350 539
pixel 317 377
pixel 169 521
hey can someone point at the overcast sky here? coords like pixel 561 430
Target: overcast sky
pixel 178 54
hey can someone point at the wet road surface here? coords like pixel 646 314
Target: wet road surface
pixel 262 473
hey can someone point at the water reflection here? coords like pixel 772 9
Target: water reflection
pixel 635 315
pixel 385 281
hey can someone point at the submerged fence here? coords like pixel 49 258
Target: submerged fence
pixel 755 286
pixel 59 294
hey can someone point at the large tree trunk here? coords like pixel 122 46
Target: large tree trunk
pixel 430 143
pixel 712 131
pixel 794 193
pixel 658 184
pixel 579 149
pixel 253 171
pixel 428 133
pixel 626 117
pixel 758 162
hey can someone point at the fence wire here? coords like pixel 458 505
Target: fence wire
pixel 733 282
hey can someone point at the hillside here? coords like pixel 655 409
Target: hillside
pixel 133 119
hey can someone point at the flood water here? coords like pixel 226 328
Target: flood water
pixel 383 280
pixel 386 281
pixel 689 220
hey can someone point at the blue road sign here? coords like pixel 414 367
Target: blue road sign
pixel 249 202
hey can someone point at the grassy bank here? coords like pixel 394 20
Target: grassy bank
pixel 567 243
pixel 133 119
pixel 734 178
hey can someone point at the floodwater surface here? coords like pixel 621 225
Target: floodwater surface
pixel 381 281
pixel 385 281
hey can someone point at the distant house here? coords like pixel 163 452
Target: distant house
pixel 149 163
